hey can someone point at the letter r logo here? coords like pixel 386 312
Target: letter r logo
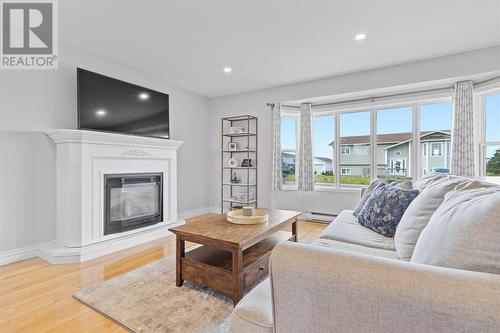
pixel 28 28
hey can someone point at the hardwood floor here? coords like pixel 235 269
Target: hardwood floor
pixel 37 297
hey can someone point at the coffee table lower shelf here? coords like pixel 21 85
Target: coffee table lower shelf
pixel 213 267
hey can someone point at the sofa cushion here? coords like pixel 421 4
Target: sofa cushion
pixel 355 248
pixel 366 195
pixel 427 180
pixel 408 185
pixel 384 209
pixel 418 214
pixel 254 313
pixel 464 232
pixel 345 228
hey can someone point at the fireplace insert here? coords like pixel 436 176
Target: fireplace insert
pixel 132 201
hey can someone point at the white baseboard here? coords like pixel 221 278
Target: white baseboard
pixel 55 253
pixel 14 255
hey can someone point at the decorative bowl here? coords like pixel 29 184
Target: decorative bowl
pixel 236 217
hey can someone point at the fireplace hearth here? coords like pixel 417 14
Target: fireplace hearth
pixel 132 201
pixel 114 191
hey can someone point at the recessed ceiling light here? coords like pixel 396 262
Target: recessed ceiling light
pixel 360 36
pixel 228 69
pixel 101 112
pixel 143 96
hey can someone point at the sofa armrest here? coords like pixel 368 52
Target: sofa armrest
pixel 318 289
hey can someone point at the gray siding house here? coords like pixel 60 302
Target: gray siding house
pixel 393 154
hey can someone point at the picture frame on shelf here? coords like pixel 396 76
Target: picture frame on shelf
pixel 232 146
pixel 247 162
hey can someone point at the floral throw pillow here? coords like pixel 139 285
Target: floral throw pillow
pixel 384 209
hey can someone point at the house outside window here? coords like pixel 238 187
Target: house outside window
pixel 345 171
pixel 345 150
pixel 366 152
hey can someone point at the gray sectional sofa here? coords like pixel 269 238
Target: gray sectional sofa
pixel 352 279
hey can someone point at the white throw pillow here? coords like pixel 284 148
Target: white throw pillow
pixel 464 232
pixel 418 214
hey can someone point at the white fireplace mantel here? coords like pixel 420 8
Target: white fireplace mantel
pixel 83 158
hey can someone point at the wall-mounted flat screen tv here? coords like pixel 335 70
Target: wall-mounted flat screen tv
pixel 111 105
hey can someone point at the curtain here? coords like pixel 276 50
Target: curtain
pixel 277 180
pixel 462 139
pixel 305 154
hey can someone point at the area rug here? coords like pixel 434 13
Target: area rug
pixel 147 300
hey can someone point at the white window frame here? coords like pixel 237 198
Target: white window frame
pixel 327 185
pixel 440 149
pixel 345 171
pixel 296 115
pixel 481 102
pixel 345 150
pixel 415 149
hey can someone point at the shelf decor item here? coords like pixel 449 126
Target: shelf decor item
pixel 232 162
pixel 235 179
pixel 246 163
pixel 244 196
pixel 232 146
pixel 236 216
pixel 239 150
pixel 248 211
pixel 236 129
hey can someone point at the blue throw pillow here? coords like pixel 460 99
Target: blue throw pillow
pixel 384 209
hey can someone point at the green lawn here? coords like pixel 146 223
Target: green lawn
pixel 345 180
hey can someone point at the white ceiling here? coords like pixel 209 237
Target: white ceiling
pixel 273 42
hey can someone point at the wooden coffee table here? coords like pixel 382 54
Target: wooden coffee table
pixel 232 257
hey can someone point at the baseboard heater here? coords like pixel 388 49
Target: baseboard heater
pixel 319 217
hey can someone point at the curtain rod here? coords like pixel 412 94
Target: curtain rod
pixel 373 98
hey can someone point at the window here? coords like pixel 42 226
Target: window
pixel 353 146
pixel 288 148
pixel 492 135
pixel 436 149
pixel 324 136
pixel 355 131
pixel 345 150
pixel 345 171
pixel 394 143
pixel 435 135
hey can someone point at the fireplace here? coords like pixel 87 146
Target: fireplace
pixel 132 201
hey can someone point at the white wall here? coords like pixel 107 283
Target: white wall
pixel 458 65
pixel 37 100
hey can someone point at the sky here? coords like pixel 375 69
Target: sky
pixel 493 118
pixel 435 116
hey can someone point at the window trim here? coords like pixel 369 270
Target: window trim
pixel 296 115
pixel 372 107
pixel 483 144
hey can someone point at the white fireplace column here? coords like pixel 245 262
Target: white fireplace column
pixel 83 158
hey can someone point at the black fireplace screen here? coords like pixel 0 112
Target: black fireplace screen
pixel 132 201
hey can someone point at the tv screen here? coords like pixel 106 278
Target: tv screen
pixel 111 105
